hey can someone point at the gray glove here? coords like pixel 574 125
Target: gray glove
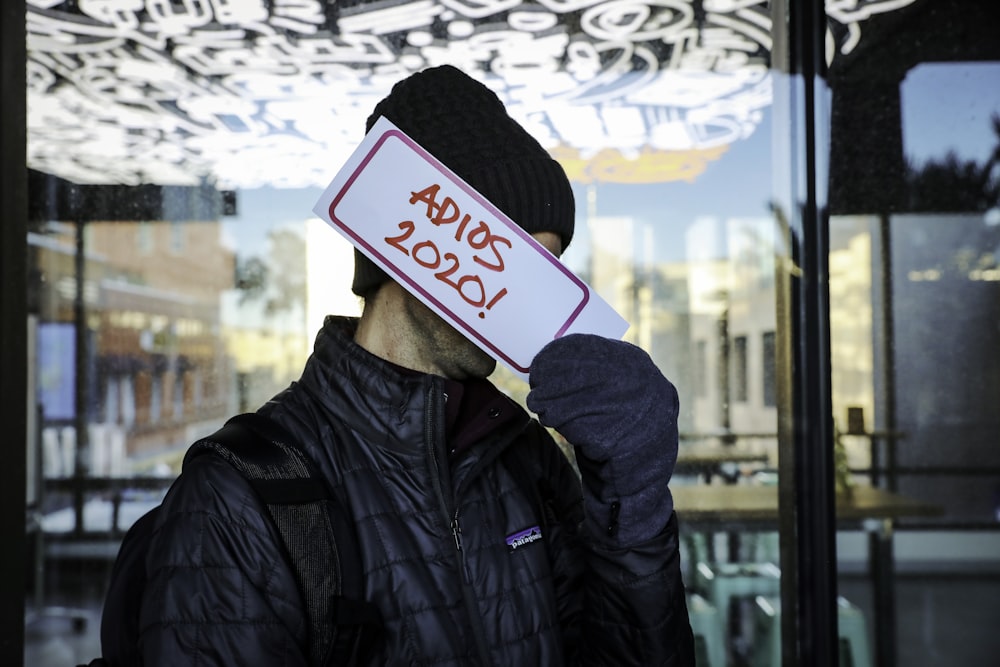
pixel 609 400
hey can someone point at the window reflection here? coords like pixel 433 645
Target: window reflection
pixel 660 112
pixel 936 283
pixel 913 313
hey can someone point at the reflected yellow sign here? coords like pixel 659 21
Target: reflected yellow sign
pixel 650 166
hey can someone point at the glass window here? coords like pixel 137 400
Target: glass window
pixel 769 384
pixel 178 276
pixel 143 238
pixel 740 384
pixel 176 237
pixel 700 380
pixel 915 198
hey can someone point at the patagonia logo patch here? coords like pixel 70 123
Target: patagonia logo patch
pixel 524 537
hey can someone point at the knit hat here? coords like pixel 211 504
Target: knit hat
pixel 464 124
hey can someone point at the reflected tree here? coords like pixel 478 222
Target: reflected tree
pixel 277 280
pixel 251 278
pixel 955 185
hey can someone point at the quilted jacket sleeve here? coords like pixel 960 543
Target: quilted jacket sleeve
pixel 635 608
pixel 620 606
pixel 218 589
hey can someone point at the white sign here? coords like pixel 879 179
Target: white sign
pixel 456 252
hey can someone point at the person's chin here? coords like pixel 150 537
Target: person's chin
pixel 476 365
pixel 489 365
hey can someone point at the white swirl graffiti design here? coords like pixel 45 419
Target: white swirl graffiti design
pixel 253 92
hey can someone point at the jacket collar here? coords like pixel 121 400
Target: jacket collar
pixel 396 408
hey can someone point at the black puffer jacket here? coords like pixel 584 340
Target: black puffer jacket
pixel 220 593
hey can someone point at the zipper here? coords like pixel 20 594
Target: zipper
pixel 441 476
pixel 456 532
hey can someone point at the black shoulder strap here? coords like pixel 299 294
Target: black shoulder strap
pixel 317 534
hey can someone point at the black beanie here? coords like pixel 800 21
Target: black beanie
pixel 464 124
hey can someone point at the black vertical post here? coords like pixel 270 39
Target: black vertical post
pixel 806 479
pixel 80 390
pixel 880 544
pixel 887 345
pixel 812 403
pixel 867 171
pixel 722 333
pixel 13 328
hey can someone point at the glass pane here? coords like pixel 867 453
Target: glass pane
pixel 179 277
pixel 915 193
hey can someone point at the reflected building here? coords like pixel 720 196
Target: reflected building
pixel 155 363
pixel 707 321
pixel 613 269
pixel 652 296
pixel 663 328
pixel 264 317
pixel 174 348
pixel 751 248
pixel 708 298
pixel 933 391
pixel 852 328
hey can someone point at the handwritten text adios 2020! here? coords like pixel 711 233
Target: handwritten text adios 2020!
pixel 417 241
pixel 456 252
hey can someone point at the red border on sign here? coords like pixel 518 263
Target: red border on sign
pixel 434 162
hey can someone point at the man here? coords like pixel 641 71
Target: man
pixel 395 411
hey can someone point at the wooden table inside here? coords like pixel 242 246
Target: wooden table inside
pixel 711 460
pixel 735 503
pixel 735 507
pixel 711 455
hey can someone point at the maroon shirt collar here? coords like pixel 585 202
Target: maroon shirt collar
pixel 478 409
pixel 473 409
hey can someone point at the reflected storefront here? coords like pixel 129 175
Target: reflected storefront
pixel 796 210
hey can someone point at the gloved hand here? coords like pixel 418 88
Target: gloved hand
pixel 610 401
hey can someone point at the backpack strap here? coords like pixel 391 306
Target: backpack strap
pixel 318 537
pixel 123 600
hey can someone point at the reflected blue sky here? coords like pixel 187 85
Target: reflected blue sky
pixel 738 184
pixel 945 106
